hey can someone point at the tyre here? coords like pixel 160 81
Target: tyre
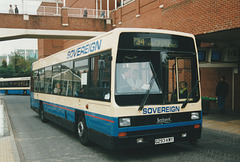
pixel 82 131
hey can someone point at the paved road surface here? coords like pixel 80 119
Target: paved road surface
pixel 38 141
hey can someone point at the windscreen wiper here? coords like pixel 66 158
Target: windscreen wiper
pixel 150 87
pixel 146 95
pixel 187 100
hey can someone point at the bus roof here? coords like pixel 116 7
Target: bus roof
pixel 14 79
pixel 66 54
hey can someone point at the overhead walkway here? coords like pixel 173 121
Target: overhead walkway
pixel 60 26
pixel 13 33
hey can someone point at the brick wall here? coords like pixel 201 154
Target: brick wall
pixel 47 47
pixel 90 4
pixel 201 16
pixel 192 16
pixel 209 79
pixel 70 43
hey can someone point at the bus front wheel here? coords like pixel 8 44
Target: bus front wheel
pixel 82 131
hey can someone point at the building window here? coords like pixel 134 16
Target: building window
pixel 201 56
pixel 216 56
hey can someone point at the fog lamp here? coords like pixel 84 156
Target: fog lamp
pixel 140 140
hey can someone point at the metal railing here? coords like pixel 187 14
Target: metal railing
pixel 87 13
pixel 72 12
pixel 56 11
pixel 49 11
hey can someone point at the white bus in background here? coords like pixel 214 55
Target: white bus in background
pixel 128 88
pixel 19 85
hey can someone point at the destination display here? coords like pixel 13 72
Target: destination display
pixel 154 42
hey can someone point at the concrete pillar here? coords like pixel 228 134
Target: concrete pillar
pixel 120 16
pixel 96 8
pixel 1 121
pixel 101 5
pixel 137 8
pixel 114 18
pixel 64 16
pixel 108 9
pixel 161 3
pixel 57 7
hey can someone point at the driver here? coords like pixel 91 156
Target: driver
pixel 134 80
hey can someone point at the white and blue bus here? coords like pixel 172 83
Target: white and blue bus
pixel 128 88
pixel 19 85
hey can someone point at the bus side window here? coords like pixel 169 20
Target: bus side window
pixel 67 77
pixel 48 79
pixel 56 77
pixel 100 77
pixel 41 81
pixel 35 78
pixel 80 82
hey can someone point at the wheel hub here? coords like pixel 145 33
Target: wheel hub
pixel 80 129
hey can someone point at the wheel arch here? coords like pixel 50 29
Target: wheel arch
pixel 78 114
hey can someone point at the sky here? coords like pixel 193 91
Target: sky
pixel 30 7
pixel 6 47
pixel 24 6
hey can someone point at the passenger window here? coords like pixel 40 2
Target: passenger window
pixel 100 77
pixel 48 80
pixel 80 76
pixel 35 80
pixel 67 76
pixel 56 80
pixel 41 81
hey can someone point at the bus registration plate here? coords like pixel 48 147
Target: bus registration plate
pixel 164 140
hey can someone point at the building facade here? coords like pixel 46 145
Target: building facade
pixel 24 53
pixel 215 23
pixel 28 53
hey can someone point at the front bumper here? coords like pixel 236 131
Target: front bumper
pixel 148 137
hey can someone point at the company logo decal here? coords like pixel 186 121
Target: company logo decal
pixel 164 120
pixel 159 110
pixel 83 50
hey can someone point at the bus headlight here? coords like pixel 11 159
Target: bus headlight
pixel 195 116
pixel 124 122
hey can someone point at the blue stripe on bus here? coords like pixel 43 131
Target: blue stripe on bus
pixel 104 124
pixel 60 110
pixel 34 102
pixel 109 125
pixel 160 126
pixel 14 91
